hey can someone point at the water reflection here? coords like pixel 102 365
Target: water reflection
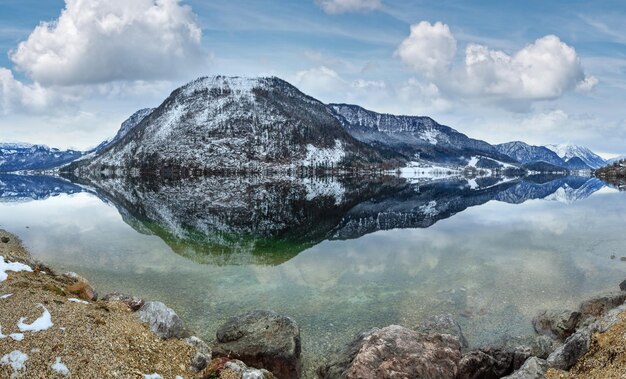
pixel 269 220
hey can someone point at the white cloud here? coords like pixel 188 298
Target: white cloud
pixel 342 6
pixel 99 41
pixel 543 70
pixel 429 49
pixel 17 97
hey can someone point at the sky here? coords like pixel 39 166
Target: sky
pixel 499 70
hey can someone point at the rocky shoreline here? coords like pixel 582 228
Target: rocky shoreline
pixel 55 326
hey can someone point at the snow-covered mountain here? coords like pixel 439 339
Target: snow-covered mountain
pixel 525 153
pixel 412 136
pixel 569 151
pixel 126 127
pixel 23 156
pixel 232 124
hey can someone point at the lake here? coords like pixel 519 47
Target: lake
pixel 339 255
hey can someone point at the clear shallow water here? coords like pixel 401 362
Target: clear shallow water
pixel 492 257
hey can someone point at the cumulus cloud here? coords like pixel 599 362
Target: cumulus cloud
pixel 342 6
pixel 429 49
pixel 17 97
pixel 99 41
pixel 543 70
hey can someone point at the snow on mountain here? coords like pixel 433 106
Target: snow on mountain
pixel 412 136
pixel 615 159
pixel 233 124
pixel 24 156
pixel 569 151
pixel 126 127
pixel 525 153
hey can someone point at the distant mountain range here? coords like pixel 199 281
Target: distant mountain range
pixel 235 125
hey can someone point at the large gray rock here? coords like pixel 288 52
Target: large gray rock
pixel 557 324
pixel 443 324
pixel 574 347
pixel 162 320
pixel 543 346
pixel 598 306
pixel 533 368
pixel 396 352
pixel 492 363
pixel 262 339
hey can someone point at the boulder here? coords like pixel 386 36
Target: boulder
pixel 574 347
pixel 492 363
pixel 203 353
pixel 557 324
pixel 396 352
pixel 533 368
pixel 234 369
pixel 622 285
pixel 5 239
pixel 262 339
pixel 80 287
pixel 443 324
pixel 543 346
pixel 599 305
pixel 163 321
pixel 133 302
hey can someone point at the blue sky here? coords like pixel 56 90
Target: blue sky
pixel 539 71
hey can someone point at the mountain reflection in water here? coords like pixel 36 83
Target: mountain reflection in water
pixel 269 220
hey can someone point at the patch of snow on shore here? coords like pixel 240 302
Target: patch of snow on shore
pixel 44 322
pixel 75 300
pixel 11 266
pixel 152 376
pixel 8 295
pixel 16 359
pixel 59 367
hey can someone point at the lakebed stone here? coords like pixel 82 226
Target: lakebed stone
pixel 443 324
pixel 133 302
pixel 492 363
pixel 262 339
pixel 396 352
pixel 163 321
pixel 599 305
pixel 557 324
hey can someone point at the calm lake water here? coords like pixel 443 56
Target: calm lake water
pixel 337 255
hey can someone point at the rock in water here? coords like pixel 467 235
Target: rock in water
pixel 396 352
pixel 557 324
pixel 444 324
pixel 599 305
pixel 533 368
pixel 493 363
pixel 262 339
pixel 80 287
pixel 163 321
pixel 622 285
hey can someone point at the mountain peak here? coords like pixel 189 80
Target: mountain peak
pixel 567 151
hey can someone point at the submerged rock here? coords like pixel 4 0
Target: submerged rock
pixel 163 321
pixel 133 302
pixel 622 285
pixel 443 324
pixel 557 324
pixel 543 346
pixel 599 305
pixel 395 351
pixel 262 339
pixel 533 368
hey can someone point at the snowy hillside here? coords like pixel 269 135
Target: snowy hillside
pixel 232 124
pixel 568 151
pixel 412 136
pixel 525 153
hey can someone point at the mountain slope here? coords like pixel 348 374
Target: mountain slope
pixel 412 136
pixel 525 153
pixel 125 128
pixel 232 124
pixel 21 156
pixel 567 152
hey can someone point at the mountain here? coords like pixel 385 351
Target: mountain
pixel 576 163
pixel 22 188
pixel 126 127
pixel 412 136
pixel 568 151
pixel 22 156
pixel 232 124
pixel 525 153
pixel 615 159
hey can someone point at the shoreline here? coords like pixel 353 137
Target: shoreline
pixel 111 336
